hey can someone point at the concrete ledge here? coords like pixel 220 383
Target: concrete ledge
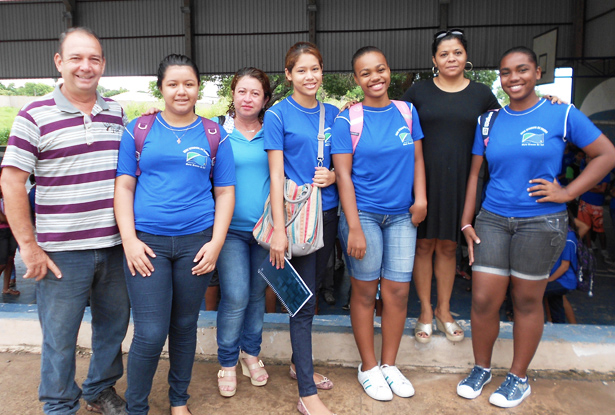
pixel 563 347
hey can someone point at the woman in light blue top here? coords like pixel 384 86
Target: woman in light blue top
pixel 242 303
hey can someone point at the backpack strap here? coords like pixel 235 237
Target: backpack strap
pixel 144 124
pixel 321 136
pixel 212 131
pixel 486 124
pixel 356 120
pixel 406 112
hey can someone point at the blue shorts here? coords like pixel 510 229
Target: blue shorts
pixel 525 248
pixel 391 242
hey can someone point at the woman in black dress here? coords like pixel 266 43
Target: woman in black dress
pixel 448 106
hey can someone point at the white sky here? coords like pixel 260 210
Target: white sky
pixel 562 87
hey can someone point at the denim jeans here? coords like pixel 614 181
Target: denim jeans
pixel 165 303
pixel 391 244
pixel 90 274
pixel 242 301
pixel 324 272
pixel 301 327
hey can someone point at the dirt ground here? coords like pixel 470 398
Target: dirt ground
pixel 435 392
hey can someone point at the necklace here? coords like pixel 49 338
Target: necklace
pixel 179 139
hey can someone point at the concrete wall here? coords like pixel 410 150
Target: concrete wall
pixel 15 101
pixel 563 348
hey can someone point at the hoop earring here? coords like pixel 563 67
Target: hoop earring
pixel 471 67
pixel 435 70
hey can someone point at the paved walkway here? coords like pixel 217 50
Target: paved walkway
pixel 556 394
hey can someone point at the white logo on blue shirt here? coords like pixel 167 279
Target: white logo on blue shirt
pixel 196 157
pixel 405 137
pixel 533 138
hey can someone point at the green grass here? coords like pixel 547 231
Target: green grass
pixel 7 115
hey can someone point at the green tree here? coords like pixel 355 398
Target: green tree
pixel 7 90
pixel 110 92
pixel 34 89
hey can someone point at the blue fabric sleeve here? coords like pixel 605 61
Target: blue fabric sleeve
pixel 341 142
pixel 579 129
pixel 417 131
pixel 127 160
pixel 478 148
pixel 224 170
pixel 274 130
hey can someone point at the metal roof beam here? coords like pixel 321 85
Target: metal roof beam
pixel 70 14
pixel 188 29
pixel 312 10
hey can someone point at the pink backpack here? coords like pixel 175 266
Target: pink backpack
pixel 356 119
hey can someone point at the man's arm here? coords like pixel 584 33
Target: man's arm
pixel 17 208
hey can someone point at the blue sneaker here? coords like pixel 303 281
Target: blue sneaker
pixel 472 386
pixel 511 392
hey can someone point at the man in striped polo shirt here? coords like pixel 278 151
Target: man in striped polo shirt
pixel 69 140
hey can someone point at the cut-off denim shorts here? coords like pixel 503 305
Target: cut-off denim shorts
pixel 525 248
pixel 391 243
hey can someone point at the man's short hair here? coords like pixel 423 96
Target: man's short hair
pixel 82 29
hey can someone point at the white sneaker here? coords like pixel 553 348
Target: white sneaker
pixel 374 384
pixel 399 384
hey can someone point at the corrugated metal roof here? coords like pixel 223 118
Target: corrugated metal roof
pixel 229 34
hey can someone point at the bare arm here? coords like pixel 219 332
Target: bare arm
pixel 17 208
pixel 208 254
pixel 470 205
pixel 602 153
pixel 356 239
pixel 123 205
pixel 559 271
pixel 419 208
pixel 279 241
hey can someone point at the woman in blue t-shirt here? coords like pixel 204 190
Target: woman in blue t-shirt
pixel 381 180
pixel 291 141
pixel 170 236
pixel 242 289
pixel 521 228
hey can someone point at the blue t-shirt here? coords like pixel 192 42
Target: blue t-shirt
pixel 383 161
pixel 593 198
pixel 294 130
pixel 568 279
pixel 525 145
pixel 252 172
pixel 173 193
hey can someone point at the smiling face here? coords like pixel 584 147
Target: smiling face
pixel 306 76
pixel 180 89
pixel 81 63
pixel 518 75
pixel 450 58
pixel 373 75
pixel 249 98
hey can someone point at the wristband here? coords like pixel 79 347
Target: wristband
pixel 466 226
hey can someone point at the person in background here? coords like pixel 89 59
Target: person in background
pixel 591 212
pixel 520 230
pixel 171 243
pixel 70 140
pixel 291 140
pixel 8 246
pixel 242 289
pixel 382 190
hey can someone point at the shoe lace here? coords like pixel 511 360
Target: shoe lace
pixel 476 376
pixel 510 385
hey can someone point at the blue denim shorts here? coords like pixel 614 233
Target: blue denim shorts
pixel 391 243
pixel 525 248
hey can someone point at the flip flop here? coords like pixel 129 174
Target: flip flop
pixel 12 292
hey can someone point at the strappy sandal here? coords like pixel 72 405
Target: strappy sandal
pixel 426 328
pixel 225 374
pixel 258 368
pixel 302 408
pixel 325 384
pixel 449 329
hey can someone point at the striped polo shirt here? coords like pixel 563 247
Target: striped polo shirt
pixel 73 157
